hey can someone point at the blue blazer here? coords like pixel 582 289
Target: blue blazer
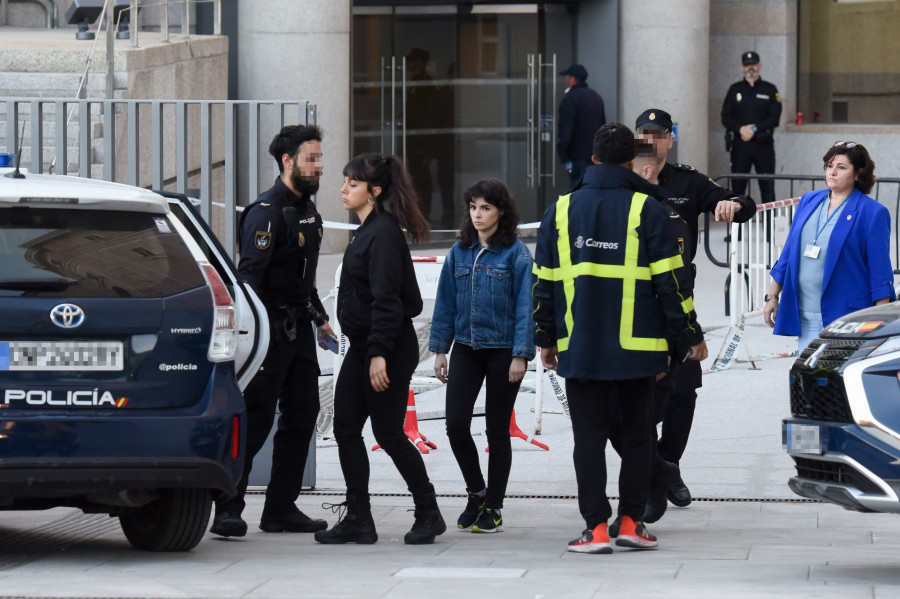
pixel 857 265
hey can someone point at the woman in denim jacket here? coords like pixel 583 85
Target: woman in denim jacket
pixel 483 308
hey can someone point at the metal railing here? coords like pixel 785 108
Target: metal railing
pixel 194 146
pixel 796 186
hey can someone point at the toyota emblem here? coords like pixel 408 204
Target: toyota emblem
pixel 67 316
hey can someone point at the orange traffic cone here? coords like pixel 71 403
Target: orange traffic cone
pixel 515 431
pixel 411 427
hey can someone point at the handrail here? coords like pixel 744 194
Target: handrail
pixel 794 181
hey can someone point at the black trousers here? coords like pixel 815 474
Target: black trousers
pixel 355 401
pixel 745 154
pixel 288 378
pixel 592 406
pixel 679 413
pixel 469 368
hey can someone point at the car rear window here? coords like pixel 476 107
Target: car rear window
pixel 52 252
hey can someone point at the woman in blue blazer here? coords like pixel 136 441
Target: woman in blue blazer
pixel 837 256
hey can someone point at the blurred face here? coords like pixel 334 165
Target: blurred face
pixel 840 176
pixel 355 194
pixel 751 71
pixel 660 140
pixel 305 167
pixel 485 217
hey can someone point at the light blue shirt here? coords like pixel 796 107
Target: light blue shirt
pixel 812 270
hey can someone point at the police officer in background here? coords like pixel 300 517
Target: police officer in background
pixel 689 193
pixel 750 113
pixel 281 233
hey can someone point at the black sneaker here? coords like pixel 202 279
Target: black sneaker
pixel 294 521
pixel 490 520
pixel 429 523
pixel 228 524
pixel 471 513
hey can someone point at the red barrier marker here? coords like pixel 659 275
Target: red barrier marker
pixel 411 427
pixel 515 431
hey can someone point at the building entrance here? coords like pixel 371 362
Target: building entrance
pixel 463 93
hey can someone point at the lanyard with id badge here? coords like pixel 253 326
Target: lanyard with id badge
pixel 812 249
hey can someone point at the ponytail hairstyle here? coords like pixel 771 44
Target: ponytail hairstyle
pixel 387 172
pixel 495 193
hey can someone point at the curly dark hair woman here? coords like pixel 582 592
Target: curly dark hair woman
pixel 495 193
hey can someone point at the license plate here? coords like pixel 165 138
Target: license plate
pixel 802 438
pixel 37 356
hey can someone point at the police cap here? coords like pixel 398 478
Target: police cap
pixel 749 58
pixel 654 118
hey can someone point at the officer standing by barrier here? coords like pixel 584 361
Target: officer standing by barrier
pixel 281 233
pixel 750 113
pixel 605 297
pixel 690 192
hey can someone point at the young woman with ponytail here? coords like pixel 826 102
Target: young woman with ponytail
pixel 378 298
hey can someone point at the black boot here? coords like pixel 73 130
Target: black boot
pixel 353 526
pixel 663 475
pixel 429 522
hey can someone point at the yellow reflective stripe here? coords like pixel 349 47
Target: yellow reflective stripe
pixel 688 305
pixel 666 264
pixel 536 270
pixel 607 271
pixel 629 284
pixel 565 263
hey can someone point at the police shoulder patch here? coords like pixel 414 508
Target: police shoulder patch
pixel 683 167
pixel 778 97
pixel 262 240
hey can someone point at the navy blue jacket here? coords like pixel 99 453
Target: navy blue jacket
pixel 580 115
pixel 608 293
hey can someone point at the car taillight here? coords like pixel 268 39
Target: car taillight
pixel 235 437
pixel 223 343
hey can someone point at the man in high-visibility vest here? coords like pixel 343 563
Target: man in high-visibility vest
pixel 606 299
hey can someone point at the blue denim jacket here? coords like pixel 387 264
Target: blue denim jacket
pixel 484 299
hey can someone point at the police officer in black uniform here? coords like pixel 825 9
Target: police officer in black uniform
pixel 689 192
pixel 281 233
pixel 750 113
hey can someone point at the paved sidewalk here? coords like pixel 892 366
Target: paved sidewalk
pixel 746 536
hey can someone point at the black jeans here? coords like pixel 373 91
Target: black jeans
pixel 289 377
pixel 592 408
pixel 469 368
pixel 355 401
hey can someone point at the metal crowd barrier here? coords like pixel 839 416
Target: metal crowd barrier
pixel 886 191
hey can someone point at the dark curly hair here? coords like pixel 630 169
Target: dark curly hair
pixel 496 194
pixel 863 165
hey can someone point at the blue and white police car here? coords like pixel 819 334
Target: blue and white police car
pixel 844 434
pixel 126 338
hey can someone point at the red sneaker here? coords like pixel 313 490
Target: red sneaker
pixel 635 535
pixel 592 541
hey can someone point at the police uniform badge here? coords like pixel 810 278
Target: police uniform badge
pixel 778 97
pixel 301 239
pixel 262 240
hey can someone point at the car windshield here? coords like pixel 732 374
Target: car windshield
pixel 51 252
